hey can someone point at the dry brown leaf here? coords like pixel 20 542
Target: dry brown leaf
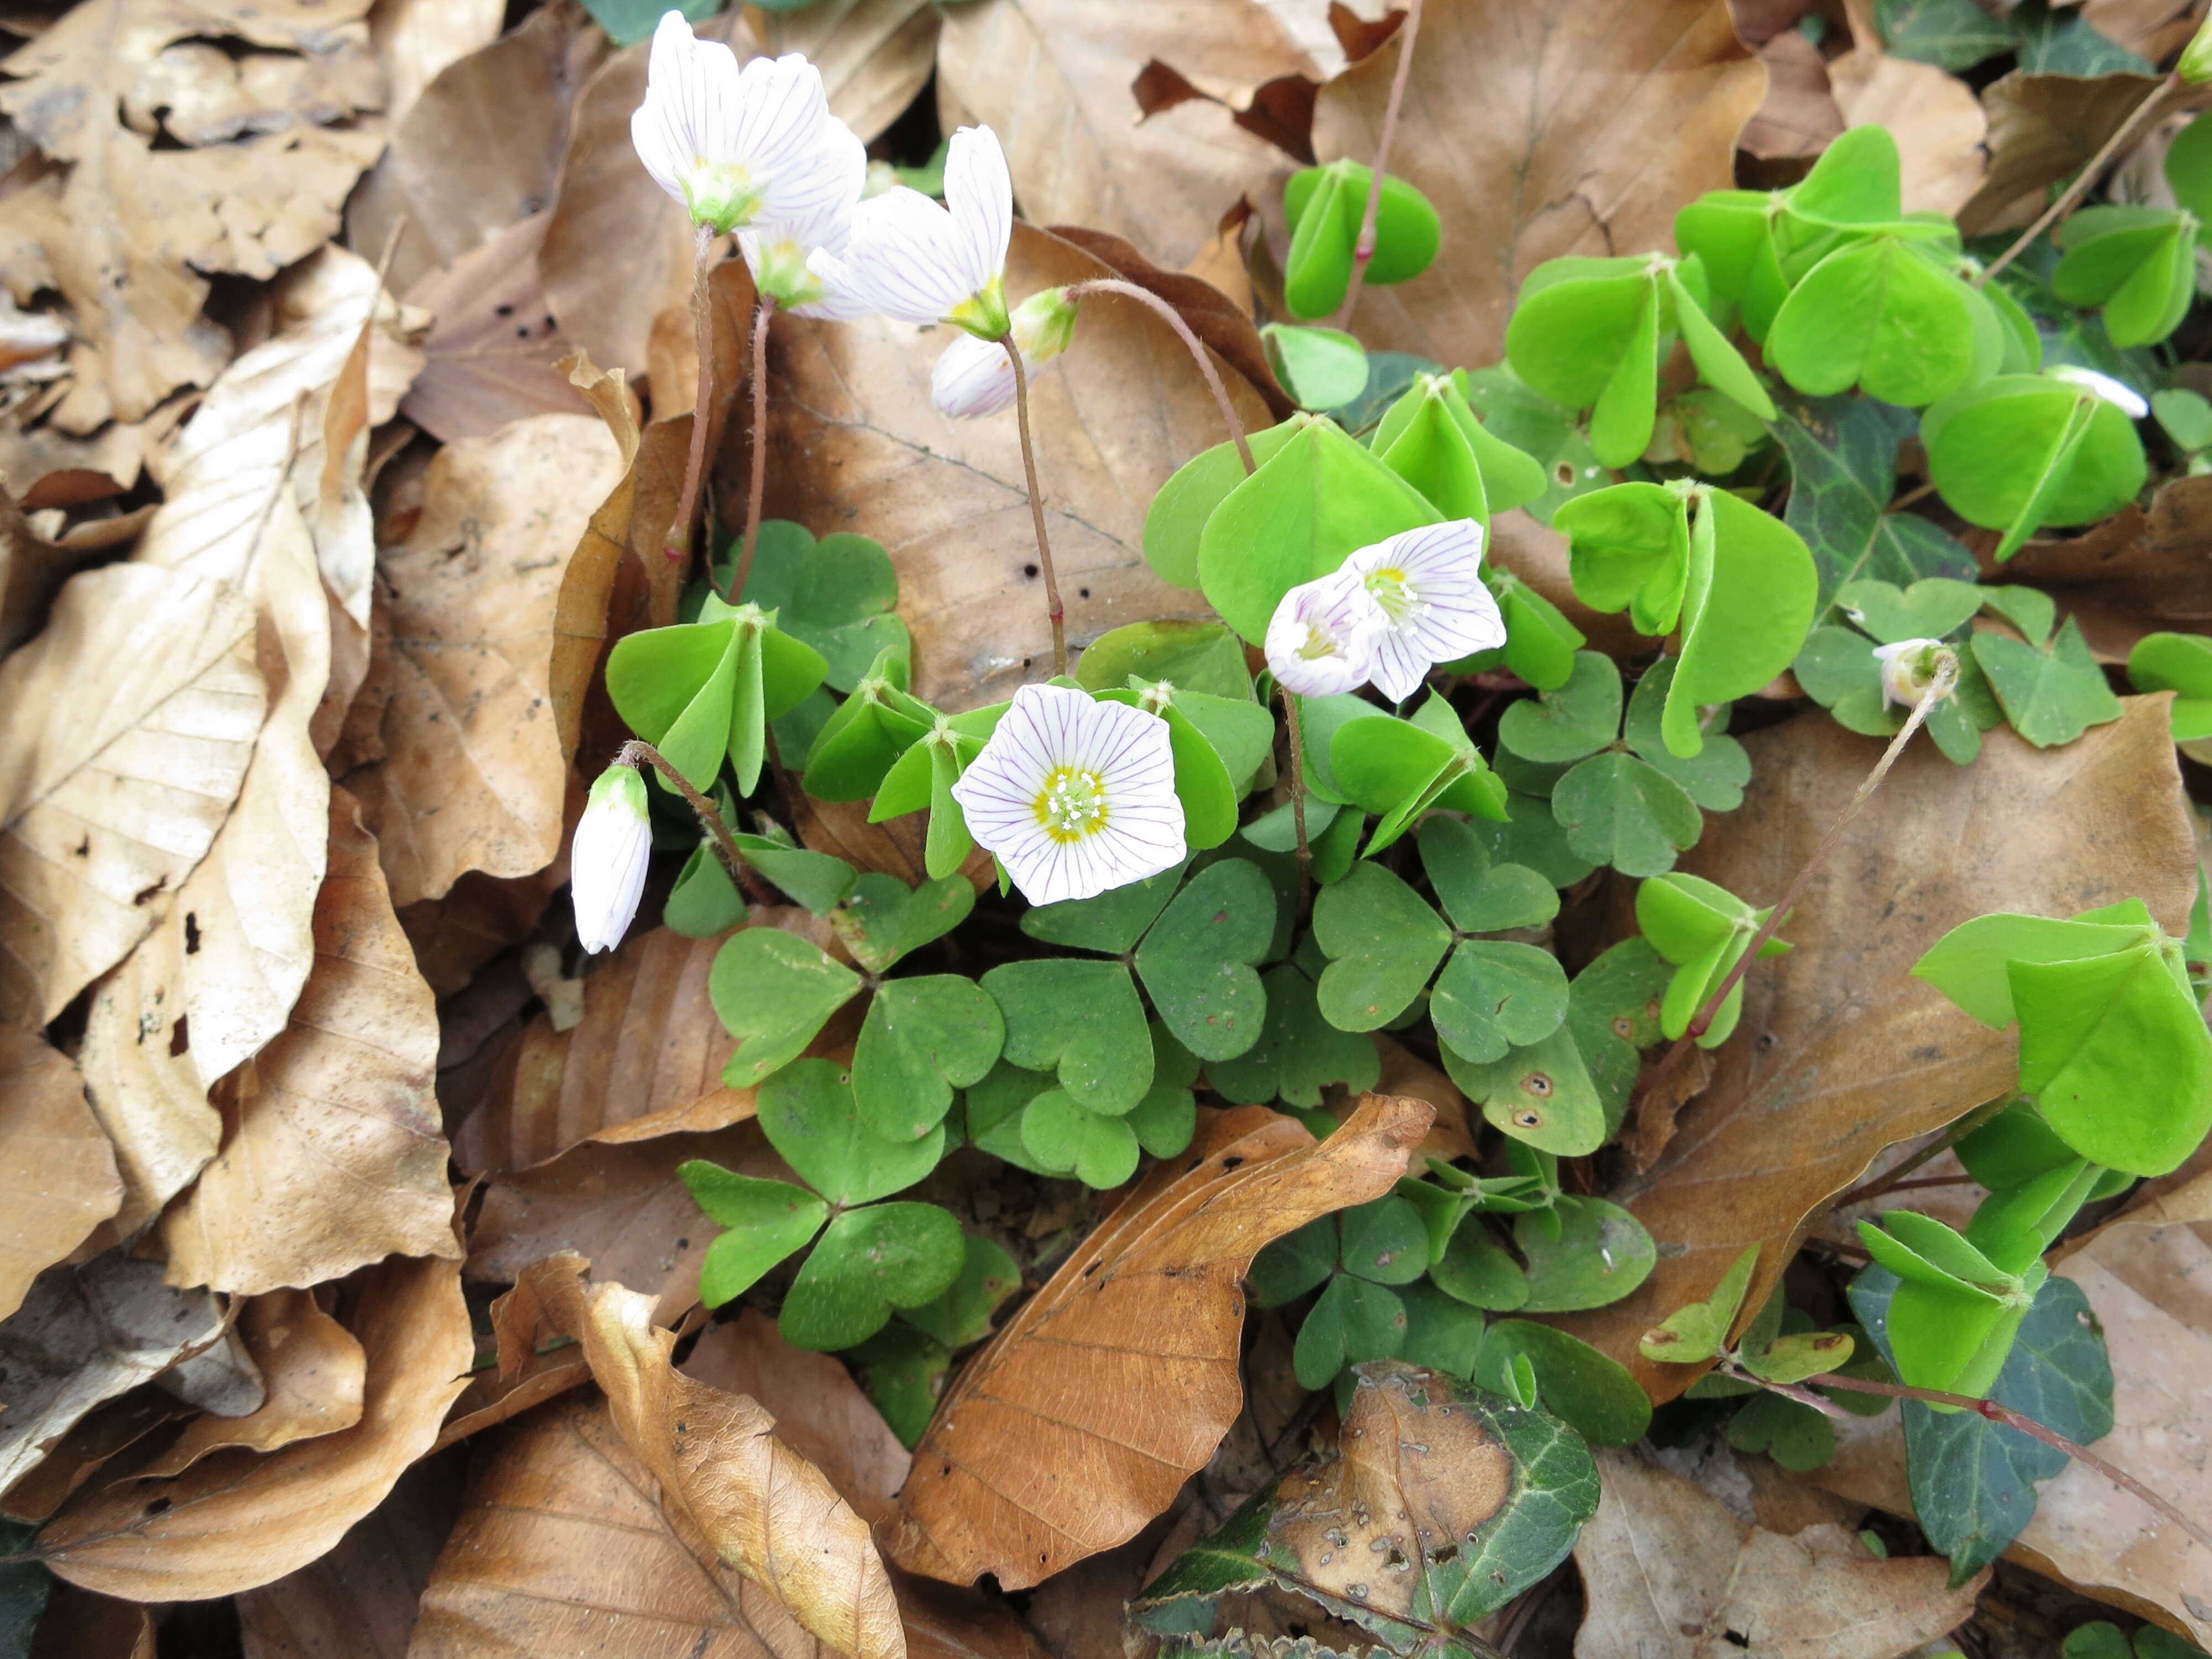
pixel 131 722
pixel 102 1435
pixel 2152 27
pixel 505 107
pixel 415 39
pixel 895 846
pixel 857 444
pixel 645 1060
pixel 84 1335
pixel 623 1208
pixel 2141 571
pixel 237 1518
pixel 2044 127
pixel 313 1367
pixel 1800 116
pixel 1841 1052
pixel 1538 131
pixel 32 571
pixel 482 914
pixel 489 357
pixel 819 1411
pixel 1668 1573
pixel 1082 1417
pixel 473 776
pixel 57 1179
pixel 79 1625
pixel 249 176
pixel 332 1154
pixel 44 466
pixel 875 56
pixel 763 1509
pixel 1939 124
pixel 1052 78
pixel 359 1599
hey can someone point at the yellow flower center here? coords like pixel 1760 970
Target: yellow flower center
pixel 1393 592
pixel 1317 645
pixel 983 314
pixel 1072 805
pixel 721 194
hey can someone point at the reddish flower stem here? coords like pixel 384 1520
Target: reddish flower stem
pixel 1364 249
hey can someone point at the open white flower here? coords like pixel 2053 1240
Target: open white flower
pixel 2120 396
pixel 778 250
pixel 1429 583
pixel 1908 669
pixel 1073 795
pixel 919 262
pixel 753 146
pixel 1322 636
pixel 976 377
pixel 607 859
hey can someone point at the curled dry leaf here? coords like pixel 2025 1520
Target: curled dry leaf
pixel 2142 570
pixel 84 1335
pixel 1605 119
pixel 314 1369
pixel 131 722
pixel 2044 127
pixel 1670 1574
pixel 858 444
pixel 1052 78
pixel 57 1179
pixel 1841 1052
pixel 1800 116
pixel 332 1154
pixel 239 1518
pixel 1083 1417
pixel 250 178
pixel 473 776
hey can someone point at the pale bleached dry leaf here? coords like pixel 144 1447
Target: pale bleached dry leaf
pixel 1083 1417
pixel 131 719
pixel 84 1335
pixel 314 1369
pixel 237 1518
pixel 505 107
pixel 57 1179
pixel 1841 1052
pixel 489 358
pixel 332 1154
pixel 857 444
pixel 1670 1574
pixel 1539 131
pixel 415 39
pixel 2153 28
pixel 249 177
pixel 359 1599
pixel 40 462
pixel 473 776
pixel 1052 78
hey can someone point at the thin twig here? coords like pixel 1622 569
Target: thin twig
pixel 758 488
pixel 1910 496
pixel 1364 249
pixel 1893 1178
pixel 1198 354
pixel 1298 797
pixel 2087 176
pixel 709 815
pixel 1946 676
pixel 679 546
pixel 2028 1425
pixel 1053 609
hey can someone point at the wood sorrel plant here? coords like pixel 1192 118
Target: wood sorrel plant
pixel 1221 904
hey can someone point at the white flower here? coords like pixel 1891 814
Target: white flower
pixel 1074 796
pixel 1322 636
pixel 1908 669
pixel 2123 398
pixel 750 147
pixel 918 263
pixel 607 860
pixel 976 377
pixel 777 251
pixel 1429 583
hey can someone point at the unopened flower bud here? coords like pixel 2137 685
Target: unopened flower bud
pixel 1043 325
pixel 2195 65
pixel 1909 669
pixel 607 860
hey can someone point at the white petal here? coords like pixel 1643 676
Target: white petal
pixel 607 860
pixel 2112 392
pixel 1322 636
pixel 980 193
pixel 972 377
pixel 1448 613
pixel 901 259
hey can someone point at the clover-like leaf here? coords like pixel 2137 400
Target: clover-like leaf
pixel 867 1262
pixel 1099 1148
pixel 1495 995
pixel 1884 315
pixel 773 991
pixel 1575 720
pixel 2181 663
pixel 922 1039
pixel 1080 1019
pixel 1197 960
pixel 2021 451
pixel 1480 895
pixel 1698 1331
pixel 1382 1242
pixel 1476 1270
pixel 2052 695
pixel 1192 656
pixel 837 595
pixel 1542 1095
pixel 884 919
pixel 2136 262
pixel 807 1112
pixel 962 1314
pixel 1299 1054
pixel 1354 1319
pixel 1175 522
pixel 1598 1253
pixel 762 1222
pixel 1110 922
pixel 1624 811
pixel 1382 942
pixel 1715 776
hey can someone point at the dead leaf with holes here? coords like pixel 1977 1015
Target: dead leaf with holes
pixel 490 355
pixel 1841 1052
pixel 1053 79
pixel 57 1179
pixel 131 719
pixel 240 1518
pixel 187 162
pixel 1084 1416
pixel 1670 1574
pixel 856 444
pixel 84 1335
pixel 332 1154
pixel 1539 131
pixel 473 776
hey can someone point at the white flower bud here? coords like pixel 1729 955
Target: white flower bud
pixel 607 860
pixel 1908 669
pixel 1323 636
